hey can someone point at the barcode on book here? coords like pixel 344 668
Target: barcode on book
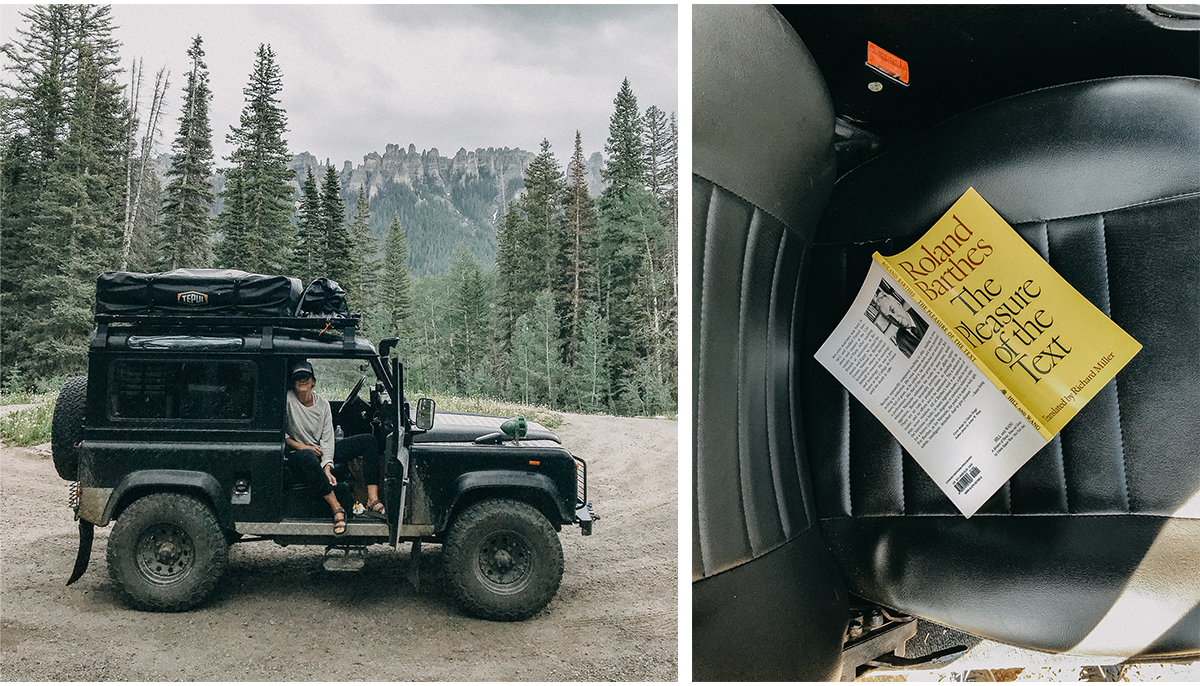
pixel 969 477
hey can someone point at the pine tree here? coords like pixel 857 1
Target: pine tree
pixel 363 258
pixel 77 226
pixel 64 125
pixel 262 196
pixel 395 283
pixel 232 222
pixel 578 248
pixel 147 252
pixel 509 270
pixel 542 205
pixel 626 213
pixel 310 245
pixel 426 361
pixel 35 115
pixel 530 243
pixel 625 167
pixel 469 319
pixel 139 177
pixel 187 208
pixel 39 99
pixel 522 360
pixel 654 132
pixel 333 228
pixel 590 372
pixel 661 161
pixel 671 202
pixel 536 357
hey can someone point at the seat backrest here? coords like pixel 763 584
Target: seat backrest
pixel 768 602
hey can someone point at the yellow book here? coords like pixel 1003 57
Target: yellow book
pixel 1013 353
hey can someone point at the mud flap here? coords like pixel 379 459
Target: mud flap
pixel 87 531
pixel 414 566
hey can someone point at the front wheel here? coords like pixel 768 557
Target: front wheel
pixel 503 559
pixel 166 552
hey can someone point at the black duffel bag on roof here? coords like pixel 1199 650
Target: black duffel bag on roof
pixel 198 291
pixel 323 298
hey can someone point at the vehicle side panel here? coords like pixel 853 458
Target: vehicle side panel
pixel 251 448
pixel 451 472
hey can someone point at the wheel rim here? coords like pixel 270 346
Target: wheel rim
pixel 505 562
pixel 164 554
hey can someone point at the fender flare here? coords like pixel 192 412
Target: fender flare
pixel 180 480
pixel 536 489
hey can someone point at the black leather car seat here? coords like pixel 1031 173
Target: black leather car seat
pixel 1094 545
pixel 768 600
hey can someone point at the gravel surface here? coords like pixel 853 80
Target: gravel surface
pixel 278 616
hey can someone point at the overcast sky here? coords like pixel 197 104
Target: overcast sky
pixel 357 77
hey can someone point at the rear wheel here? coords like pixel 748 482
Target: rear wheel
pixel 166 552
pixel 503 559
pixel 66 427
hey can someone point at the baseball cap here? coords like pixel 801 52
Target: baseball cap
pixel 302 369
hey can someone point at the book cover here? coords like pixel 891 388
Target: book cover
pixel 1044 345
pixel 972 350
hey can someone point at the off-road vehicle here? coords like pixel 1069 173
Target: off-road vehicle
pixel 177 436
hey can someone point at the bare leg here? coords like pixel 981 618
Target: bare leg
pixel 339 522
pixel 373 502
pixel 331 498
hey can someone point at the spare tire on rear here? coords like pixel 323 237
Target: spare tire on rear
pixel 66 429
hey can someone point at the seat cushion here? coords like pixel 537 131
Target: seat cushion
pixel 1092 546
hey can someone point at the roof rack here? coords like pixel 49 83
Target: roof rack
pixel 265 325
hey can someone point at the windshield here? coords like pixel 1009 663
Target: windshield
pixel 337 376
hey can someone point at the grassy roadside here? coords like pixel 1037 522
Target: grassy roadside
pixel 537 413
pixel 27 426
pixel 31 425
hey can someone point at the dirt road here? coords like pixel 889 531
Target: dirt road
pixel 278 616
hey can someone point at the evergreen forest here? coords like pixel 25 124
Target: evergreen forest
pixel 514 282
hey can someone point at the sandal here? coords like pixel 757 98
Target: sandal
pixel 375 509
pixel 339 525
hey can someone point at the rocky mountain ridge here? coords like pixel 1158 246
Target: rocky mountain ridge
pixel 440 201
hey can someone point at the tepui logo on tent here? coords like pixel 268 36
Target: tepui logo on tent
pixel 192 298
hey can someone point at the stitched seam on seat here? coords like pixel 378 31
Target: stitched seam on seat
pixel 1062 454
pixel 981 515
pixel 799 437
pixel 745 200
pixel 782 505
pixel 706 562
pixel 924 132
pixel 712 567
pixel 846 410
pixel 831 244
pixel 1116 386
pixel 1143 203
pixel 753 535
pixel 711 560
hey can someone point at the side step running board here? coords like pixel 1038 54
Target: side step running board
pixel 354 528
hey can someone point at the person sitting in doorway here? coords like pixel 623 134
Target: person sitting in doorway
pixel 312 450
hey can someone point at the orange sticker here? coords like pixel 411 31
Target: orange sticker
pixel 887 63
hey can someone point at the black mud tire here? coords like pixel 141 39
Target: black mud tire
pixel 503 560
pixel 66 427
pixel 167 552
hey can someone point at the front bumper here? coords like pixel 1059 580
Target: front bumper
pixel 584 516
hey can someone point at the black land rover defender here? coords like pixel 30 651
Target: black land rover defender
pixel 177 436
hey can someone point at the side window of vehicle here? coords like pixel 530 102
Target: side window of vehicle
pixel 185 390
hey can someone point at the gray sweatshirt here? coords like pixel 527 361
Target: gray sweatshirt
pixel 311 425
